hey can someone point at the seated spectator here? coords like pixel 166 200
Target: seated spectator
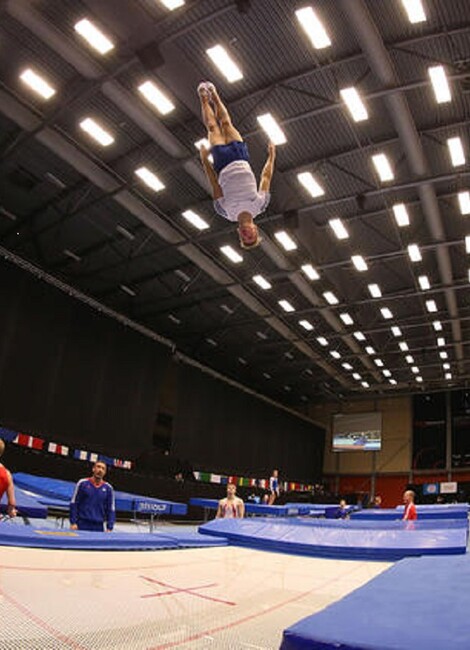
pixel 343 510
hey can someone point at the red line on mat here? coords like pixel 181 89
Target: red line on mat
pixel 192 591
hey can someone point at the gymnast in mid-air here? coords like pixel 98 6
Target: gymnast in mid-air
pixel 234 188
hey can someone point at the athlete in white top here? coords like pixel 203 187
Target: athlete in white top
pixel 232 506
pixel 234 188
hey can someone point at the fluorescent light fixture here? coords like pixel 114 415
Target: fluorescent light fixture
pixel 93 36
pixel 359 262
pixel 174 319
pixel 73 256
pixel 289 355
pixel 232 254
pixel 469 275
pixel 262 336
pixel 37 83
pixel 415 370
pixel 285 240
pixel 446 366
pixel 156 97
pixel 415 10
pixel 357 376
pixel 330 298
pixel 346 318
pixel 266 375
pixel 448 375
pixel 386 313
pixel 322 340
pixel 285 304
pixel 287 388
pixel 272 128
pixel 311 185
pixel 401 215
pixel 212 342
pixel 310 272
pixel 354 104
pixel 464 202
pixel 172 4
pixel 306 324
pixel 338 228
pixel 431 306
pixel 226 309
pixel 443 355
pixel 262 282
pixel 128 290
pixel 313 27
pixel 365 384
pixel 194 219
pixel 386 373
pixel 457 155
pixel 437 325
pixel 150 179
pixel 441 342
pixel 382 165
pixel 403 346
pixel 396 331
pixel 347 366
pixel 125 233
pixel 424 282
pixel 419 380
pixel 440 84
pixel 414 253
pixel 227 66
pixel 409 359
pixel 393 382
pixel 96 131
pixel 181 274
pixel 374 290
pixel 335 354
pixel 242 361
pixel 370 350
pixel 359 336
pixel 379 363
pixel 467 244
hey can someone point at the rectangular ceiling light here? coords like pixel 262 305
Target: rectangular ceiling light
pixel 370 350
pixel 285 240
pixel 396 331
pixel 150 179
pixel 441 342
pixel 437 325
pixel 227 66
pixel 347 366
pixel 311 185
pixel 448 375
pixel 96 131
pixel 467 244
pixel 194 219
pixel 306 324
pixel 338 228
pixel 262 282
pixel 446 366
pixel 443 355
pixel 322 340
pixel 335 354
pixel 386 373
pixel 313 27
pixel 354 104
pixel 262 336
pixel 401 215
pixel 172 4
pixel 330 298
pixel 409 359
pixel 415 370
pixel 393 382
pixel 356 376
pixel 285 304
pixel 93 36
pixel 374 290
pixel 440 84
pixel 386 313
pixel 128 290
pixel 431 306
pixel 359 262
pixel 415 10
pixel 414 253
pixel 359 336
pixel 310 272
pixel 365 384
pixel 271 128
pixel 37 83
pixel 457 155
pixel 232 254
pixel 379 363
pixel 156 97
pixel 403 346
pixel 424 282
pixel 464 202
pixel 382 165
pixel 346 318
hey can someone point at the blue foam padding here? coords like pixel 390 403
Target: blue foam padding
pixel 125 501
pixel 438 507
pixel 211 504
pixel 27 536
pixel 344 539
pixel 287 510
pixel 384 514
pixel 417 604
pixel 26 505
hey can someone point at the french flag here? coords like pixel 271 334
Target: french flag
pixel 54 448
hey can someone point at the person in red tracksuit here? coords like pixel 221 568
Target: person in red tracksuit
pixel 6 485
pixel 410 513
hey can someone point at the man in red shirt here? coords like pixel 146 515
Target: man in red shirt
pixel 6 485
pixel 410 513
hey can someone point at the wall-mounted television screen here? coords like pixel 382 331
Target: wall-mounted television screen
pixel 357 431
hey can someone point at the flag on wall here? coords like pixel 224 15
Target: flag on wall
pixel 32 442
pixel 54 448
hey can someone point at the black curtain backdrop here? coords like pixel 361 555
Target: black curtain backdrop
pixel 71 374
pixel 221 428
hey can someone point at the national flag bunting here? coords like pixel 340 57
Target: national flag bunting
pixel 54 448
pixel 24 440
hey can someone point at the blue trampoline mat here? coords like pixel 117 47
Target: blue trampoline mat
pixel 287 510
pixel 27 505
pixel 344 539
pixel 395 513
pixel 418 604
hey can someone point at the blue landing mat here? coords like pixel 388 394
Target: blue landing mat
pixel 26 505
pixel 287 510
pixel 344 539
pixel 418 604
pixel 11 535
pixel 384 514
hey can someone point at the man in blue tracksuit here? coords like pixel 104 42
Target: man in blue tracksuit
pixel 92 503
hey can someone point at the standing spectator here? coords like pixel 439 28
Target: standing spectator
pixel 6 485
pixel 274 489
pixel 232 506
pixel 92 502
pixel 410 513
